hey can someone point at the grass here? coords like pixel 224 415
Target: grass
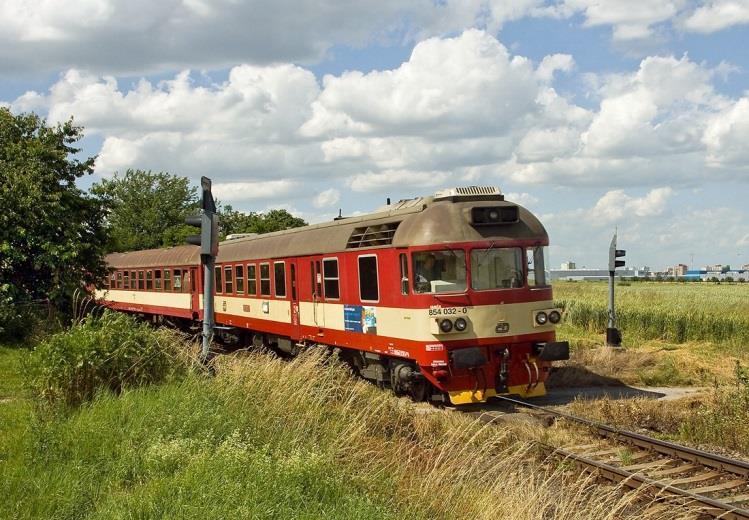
pixel 272 439
pixel 716 419
pixel 671 312
pixel 674 333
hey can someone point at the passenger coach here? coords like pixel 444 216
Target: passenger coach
pixel 443 297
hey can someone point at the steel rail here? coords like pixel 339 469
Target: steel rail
pixel 637 480
pixel 712 460
pixel 634 480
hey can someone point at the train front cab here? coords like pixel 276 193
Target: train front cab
pixel 488 317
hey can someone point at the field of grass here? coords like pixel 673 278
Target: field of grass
pixel 267 438
pixel 674 333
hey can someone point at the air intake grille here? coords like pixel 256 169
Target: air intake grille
pixel 371 236
pixel 477 190
pixel 468 193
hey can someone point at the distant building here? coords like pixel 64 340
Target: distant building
pixel 566 266
pixel 680 270
pixel 597 274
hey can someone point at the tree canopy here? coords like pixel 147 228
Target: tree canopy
pixel 147 210
pixel 232 221
pixel 52 234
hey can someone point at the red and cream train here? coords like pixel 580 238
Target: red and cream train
pixel 442 297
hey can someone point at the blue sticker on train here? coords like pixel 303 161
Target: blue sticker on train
pixel 352 318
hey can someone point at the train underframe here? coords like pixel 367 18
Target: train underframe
pixel 471 374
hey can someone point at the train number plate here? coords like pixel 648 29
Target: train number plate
pixel 447 311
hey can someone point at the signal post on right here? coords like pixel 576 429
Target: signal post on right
pixel 613 336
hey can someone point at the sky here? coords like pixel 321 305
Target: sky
pixel 594 114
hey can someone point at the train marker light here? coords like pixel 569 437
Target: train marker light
pixel 461 324
pixel 555 317
pixel 446 325
pixel 541 318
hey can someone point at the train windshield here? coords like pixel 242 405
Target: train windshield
pixel 496 268
pixel 439 271
pixel 538 261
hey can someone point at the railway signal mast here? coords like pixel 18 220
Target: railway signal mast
pixel 207 221
pixel 613 336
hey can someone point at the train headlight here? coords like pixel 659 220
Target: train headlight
pixel 555 317
pixel 461 324
pixel 541 318
pixel 446 325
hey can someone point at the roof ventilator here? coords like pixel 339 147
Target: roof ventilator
pixel 371 236
pixel 469 193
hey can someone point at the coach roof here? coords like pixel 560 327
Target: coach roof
pixel 413 222
pixel 172 256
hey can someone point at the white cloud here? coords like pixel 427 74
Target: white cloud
pixel 631 20
pixel 326 198
pixel 403 179
pixel 244 127
pixel 524 199
pixel 461 109
pixel 616 205
pixel 727 135
pixel 468 85
pixel 141 36
pixel 243 191
pixel 662 108
pixel 718 15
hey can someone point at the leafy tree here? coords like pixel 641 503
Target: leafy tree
pixel 232 221
pixel 148 209
pixel 51 233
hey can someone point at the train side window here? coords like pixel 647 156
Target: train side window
pixel 113 280
pixel 368 287
pixel 167 280
pixel 265 279
pixel 239 278
pixel 177 280
pixel 252 279
pixel 186 281
pixel 279 274
pixel 331 278
pixel 119 279
pixel 404 273
pixel 141 280
pixel 228 280
pixel 126 280
pixel 157 279
pixel 149 280
pixel 133 281
pixel 218 284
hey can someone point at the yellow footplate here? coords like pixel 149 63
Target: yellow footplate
pixel 480 396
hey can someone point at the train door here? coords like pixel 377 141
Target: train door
pixel 294 300
pixel 195 291
pixel 318 309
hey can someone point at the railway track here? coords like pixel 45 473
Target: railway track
pixel 717 485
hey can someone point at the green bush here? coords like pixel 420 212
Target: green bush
pixel 17 320
pixel 112 351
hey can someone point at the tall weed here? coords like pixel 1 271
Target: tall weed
pixel 722 419
pixel 111 351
